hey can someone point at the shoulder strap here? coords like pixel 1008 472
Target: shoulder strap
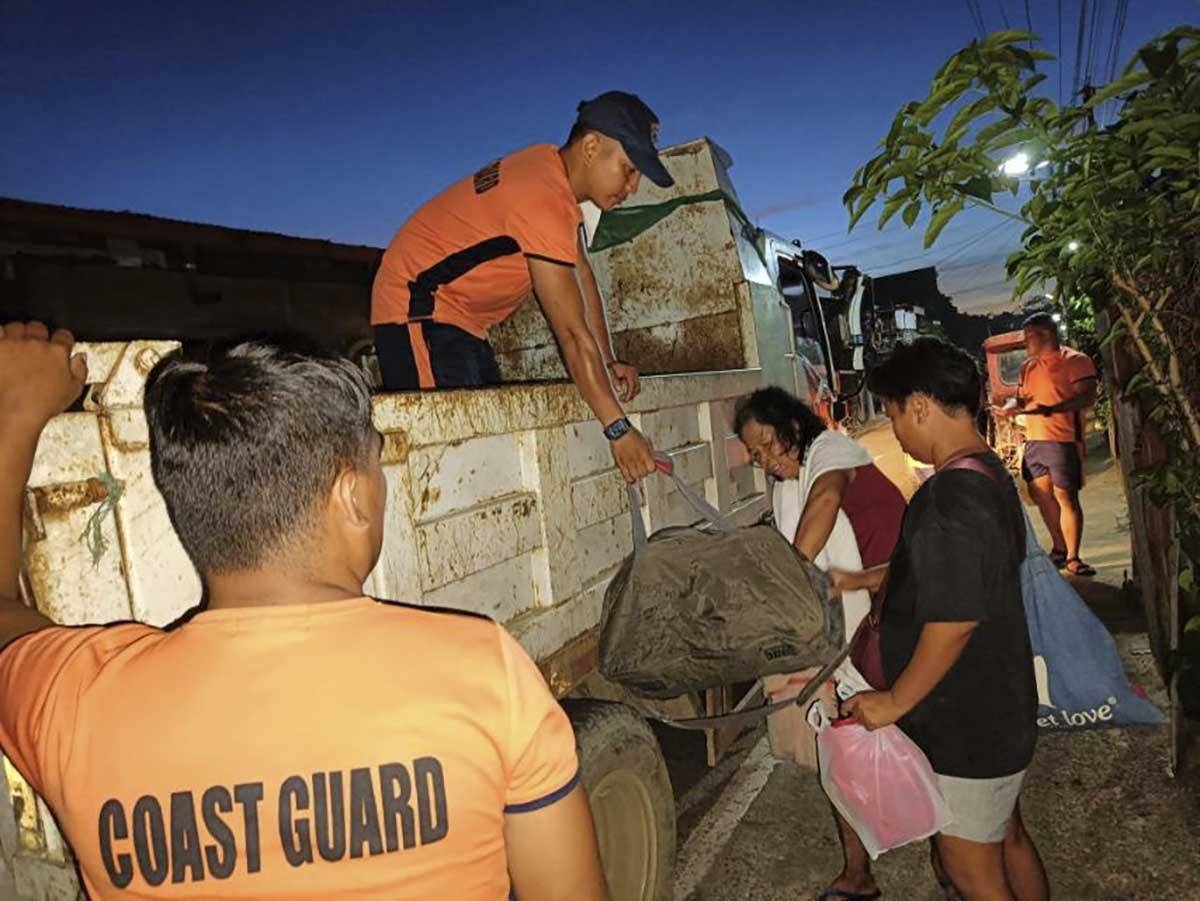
pixel 973 463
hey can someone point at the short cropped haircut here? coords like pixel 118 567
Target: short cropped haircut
pixel 245 445
pixel 795 424
pixel 1043 322
pixel 578 130
pixel 932 367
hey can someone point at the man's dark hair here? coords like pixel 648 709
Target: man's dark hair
pixel 578 130
pixel 1043 322
pixel 932 367
pixel 795 424
pixel 245 445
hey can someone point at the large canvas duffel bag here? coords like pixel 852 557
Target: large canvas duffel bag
pixel 697 607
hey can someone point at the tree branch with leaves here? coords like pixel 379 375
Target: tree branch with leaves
pixel 1112 210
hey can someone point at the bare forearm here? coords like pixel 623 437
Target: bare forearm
pixel 1081 401
pixel 1078 402
pixel 17 447
pixel 869 580
pixel 816 525
pixel 587 370
pixel 593 304
pixel 938 649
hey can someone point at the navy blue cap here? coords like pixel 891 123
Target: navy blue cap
pixel 625 118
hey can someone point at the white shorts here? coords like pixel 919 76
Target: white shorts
pixel 980 809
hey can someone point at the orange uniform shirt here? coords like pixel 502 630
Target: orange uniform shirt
pixel 353 749
pixel 1050 379
pixel 462 257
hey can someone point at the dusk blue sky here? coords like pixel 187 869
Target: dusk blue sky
pixel 336 120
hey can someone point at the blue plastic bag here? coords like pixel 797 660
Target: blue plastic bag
pixel 1081 683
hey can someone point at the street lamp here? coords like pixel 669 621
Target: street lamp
pixel 1021 164
pixel 1016 165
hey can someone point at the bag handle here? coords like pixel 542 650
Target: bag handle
pixel 711 514
pixel 743 718
pixel 817 718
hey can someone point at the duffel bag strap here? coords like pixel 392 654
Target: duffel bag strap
pixel 711 514
pixel 744 718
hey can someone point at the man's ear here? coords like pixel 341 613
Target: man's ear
pixel 920 407
pixel 590 146
pixel 346 487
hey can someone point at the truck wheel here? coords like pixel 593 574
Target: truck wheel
pixel 630 792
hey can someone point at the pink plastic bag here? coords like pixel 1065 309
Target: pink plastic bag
pixel 880 782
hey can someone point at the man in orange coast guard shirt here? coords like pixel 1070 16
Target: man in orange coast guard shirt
pixel 467 259
pixel 294 739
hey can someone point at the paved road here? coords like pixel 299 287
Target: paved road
pixel 1110 822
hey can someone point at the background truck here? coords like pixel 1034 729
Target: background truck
pixel 503 501
pixel 1005 355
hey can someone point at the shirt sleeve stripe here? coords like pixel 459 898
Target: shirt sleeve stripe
pixel 546 800
pixel 538 256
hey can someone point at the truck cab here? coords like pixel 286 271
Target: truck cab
pixel 834 321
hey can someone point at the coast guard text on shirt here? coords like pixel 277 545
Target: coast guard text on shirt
pixel 332 815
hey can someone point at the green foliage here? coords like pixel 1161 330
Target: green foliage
pixel 1112 217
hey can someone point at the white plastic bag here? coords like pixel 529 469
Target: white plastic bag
pixel 790 735
pixel 879 781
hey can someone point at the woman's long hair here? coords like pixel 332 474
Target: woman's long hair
pixel 794 422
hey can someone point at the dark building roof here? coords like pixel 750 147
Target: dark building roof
pixel 112 276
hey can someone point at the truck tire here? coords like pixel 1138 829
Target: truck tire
pixel 626 780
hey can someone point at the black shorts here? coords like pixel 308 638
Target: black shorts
pixel 1057 459
pixel 445 356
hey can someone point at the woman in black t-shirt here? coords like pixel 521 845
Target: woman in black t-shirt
pixel 955 645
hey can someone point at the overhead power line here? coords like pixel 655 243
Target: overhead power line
pixel 1003 14
pixel 985 287
pixel 1093 29
pixel 1120 16
pixel 1060 54
pixel 1079 50
pixel 976 16
pixel 1009 223
pixel 953 250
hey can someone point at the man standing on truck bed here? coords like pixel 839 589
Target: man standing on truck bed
pixel 1057 385
pixel 292 739
pixel 466 260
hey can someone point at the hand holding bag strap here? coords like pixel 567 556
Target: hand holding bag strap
pixel 711 514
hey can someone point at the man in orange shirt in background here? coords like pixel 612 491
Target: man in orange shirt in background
pixel 293 739
pixel 1057 385
pixel 466 260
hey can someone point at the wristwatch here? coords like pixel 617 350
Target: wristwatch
pixel 618 429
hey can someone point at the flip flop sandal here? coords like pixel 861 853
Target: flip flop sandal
pixel 1081 569
pixel 1058 557
pixel 846 895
